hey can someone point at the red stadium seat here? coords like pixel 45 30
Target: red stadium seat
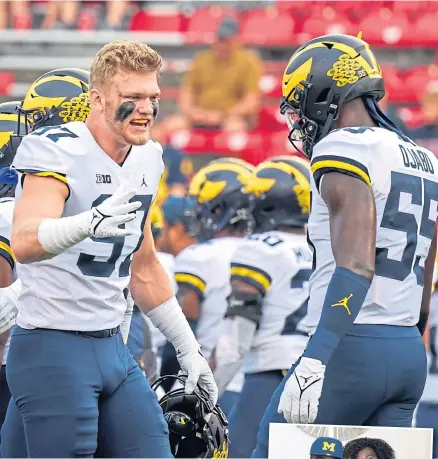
pixel 270 118
pixel 202 25
pixel 394 84
pixel 22 22
pixel 271 86
pixel 412 116
pixel 385 27
pixel 7 79
pixel 152 21
pixel 268 27
pixel 316 26
pixel 418 79
pixel 86 20
pixel 425 29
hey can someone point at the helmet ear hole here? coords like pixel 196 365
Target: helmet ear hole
pixel 322 96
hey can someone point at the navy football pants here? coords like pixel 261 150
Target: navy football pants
pixel 375 378
pixel 74 392
pixel 246 415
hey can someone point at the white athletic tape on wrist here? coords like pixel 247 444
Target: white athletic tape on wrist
pixel 56 235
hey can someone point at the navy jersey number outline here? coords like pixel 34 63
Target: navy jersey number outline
pixel 55 136
pixel 292 320
pixel 405 222
pixel 87 263
pixel 269 239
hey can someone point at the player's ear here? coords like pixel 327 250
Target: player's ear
pixel 96 99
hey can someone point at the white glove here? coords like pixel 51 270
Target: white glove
pixel 8 305
pixel 300 398
pixel 198 371
pixel 172 323
pixel 126 323
pixel 104 220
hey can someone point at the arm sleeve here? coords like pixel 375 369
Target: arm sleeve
pixel 346 151
pixel 231 348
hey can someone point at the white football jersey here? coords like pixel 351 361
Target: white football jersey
pixel 430 393
pixel 205 268
pixel 6 213
pixel 82 288
pixel 279 264
pixel 403 179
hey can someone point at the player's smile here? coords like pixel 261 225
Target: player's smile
pixel 140 124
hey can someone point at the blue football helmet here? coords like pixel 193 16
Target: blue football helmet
pixel 216 201
pixel 9 142
pixel 279 192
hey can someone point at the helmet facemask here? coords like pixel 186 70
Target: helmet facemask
pixel 304 132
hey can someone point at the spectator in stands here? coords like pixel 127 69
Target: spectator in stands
pixel 427 134
pixel 429 107
pixel 64 15
pixel 177 166
pixel 14 14
pixel 221 90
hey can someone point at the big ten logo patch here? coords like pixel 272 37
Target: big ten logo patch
pixel 103 178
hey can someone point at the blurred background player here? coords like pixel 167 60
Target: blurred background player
pixel 169 242
pixel 8 273
pixel 220 219
pixel 270 271
pixel 367 307
pixel 140 339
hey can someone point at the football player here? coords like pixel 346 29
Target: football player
pixel 219 219
pixel 372 229
pixel 8 274
pixel 270 271
pixel 81 234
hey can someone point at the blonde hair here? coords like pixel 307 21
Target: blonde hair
pixel 125 55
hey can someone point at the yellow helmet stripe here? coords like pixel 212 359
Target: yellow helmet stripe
pixel 69 79
pixel 4 138
pixel 298 75
pixel 372 72
pixel 288 168
pixel 212 189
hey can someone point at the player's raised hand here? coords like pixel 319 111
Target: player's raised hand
pixel 300 398
pixel 114 211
